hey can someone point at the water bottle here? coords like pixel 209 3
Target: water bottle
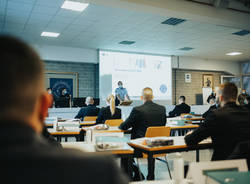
pixel 88 136
pixel 178 174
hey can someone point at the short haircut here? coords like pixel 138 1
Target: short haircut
pixel 229 91
pixel 183 98
pixel 21 74
pixel 119 82
pixel 89 100
pixel 49 89
pixel 147 94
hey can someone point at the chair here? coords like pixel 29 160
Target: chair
pixel 90 118
pixel 113 122
pixel 158 131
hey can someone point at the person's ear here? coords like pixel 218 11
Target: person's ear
pixel 141 97
pixel 46 103
pixel 221 98
pixel 152 97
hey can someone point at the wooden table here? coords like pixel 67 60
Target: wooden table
pixel 110 130
pixel 125 153
pixel 68 133
pixel 87 123
pixel 181 130
pixel 179 146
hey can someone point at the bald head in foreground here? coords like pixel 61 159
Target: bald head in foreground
pixel 26 156
pixel 144 116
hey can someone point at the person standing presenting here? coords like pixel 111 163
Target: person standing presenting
pixel 121 94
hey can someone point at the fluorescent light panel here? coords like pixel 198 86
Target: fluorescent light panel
pixel 233 53
pixel 50 34
pixel 75 6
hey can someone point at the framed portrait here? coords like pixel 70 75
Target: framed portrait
pixel 207 81
pixel 58 81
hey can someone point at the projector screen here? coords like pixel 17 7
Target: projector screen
pixel 136 71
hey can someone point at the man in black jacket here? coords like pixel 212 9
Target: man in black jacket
pixel 90 110
pixel 144 116
pixel 181 108
pixel 227 126
pixel 25 155
pixel 147 115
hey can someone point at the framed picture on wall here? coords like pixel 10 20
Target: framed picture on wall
pixel 58 81
pixel 207 81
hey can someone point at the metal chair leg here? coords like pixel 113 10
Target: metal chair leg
pixel 168 167
pixel 138 165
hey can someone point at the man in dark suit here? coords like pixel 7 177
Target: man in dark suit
pixel 247 102
pixel 181 108
pixel 147 115
pixel 25 155
pixel 90 110
pixel 227 126
pixel 213 107
pixel 144 116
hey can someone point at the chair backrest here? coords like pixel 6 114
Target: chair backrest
pixel 113 122
pixel 158 131
pixel 90 118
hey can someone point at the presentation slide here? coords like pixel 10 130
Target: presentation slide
pixel 136 71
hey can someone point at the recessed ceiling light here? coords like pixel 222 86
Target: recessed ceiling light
pixel 75 6
pixel 233 53
pixel 50 34
pixel 125 42
pixel 186 48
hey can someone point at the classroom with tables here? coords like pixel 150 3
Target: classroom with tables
pixel 125 91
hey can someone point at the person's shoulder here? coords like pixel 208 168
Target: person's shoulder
pixel 103 109
pixel 159 106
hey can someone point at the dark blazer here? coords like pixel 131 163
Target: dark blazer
pixel 50 138
pixel 105 114
pixel 247 106
pixel 179 109
pixel 26 157
pixel 242 151
pixel 144 116
pixel 227 126
pixel 90 110
pixel 211 108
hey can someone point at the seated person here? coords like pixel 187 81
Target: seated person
pixel 227 126
pixel 90 110
pixel 65 93
pixel 109 112
pixel 242 97
pixel 26 156
pixel 212 95
pixel 181 108
pixel 213 106
pixel 144 116
pixel 121 94
pixel 141 117
pixel 241 151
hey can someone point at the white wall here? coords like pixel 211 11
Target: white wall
pixel 57 53
pixel 204 64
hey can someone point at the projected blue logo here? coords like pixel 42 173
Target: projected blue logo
pixel 163 88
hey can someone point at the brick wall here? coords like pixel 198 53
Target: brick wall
pixel 189 90
pixel 88 75
pixel 89 79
